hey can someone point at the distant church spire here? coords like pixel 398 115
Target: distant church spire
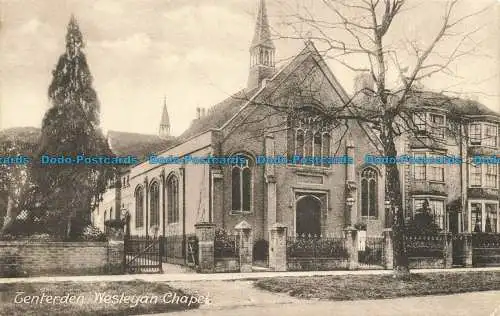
pixel 262 50
pixel 165 121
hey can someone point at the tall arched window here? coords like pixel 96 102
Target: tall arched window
pixel 173 199
pixel 241 187
pixel 139 207
pixel 308 140
pixel 317 147
pixel 369 188
pixel 154 204
pixel 299 150
pixel 326 147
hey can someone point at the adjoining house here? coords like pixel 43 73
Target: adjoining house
pixel 169 199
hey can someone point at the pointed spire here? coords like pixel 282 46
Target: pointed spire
pixel 262 50
pixel 262 36
pixel 165 121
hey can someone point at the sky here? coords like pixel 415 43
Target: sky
pixel 193 52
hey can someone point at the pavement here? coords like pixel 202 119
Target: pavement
pixel 235 294
pixel 467 304
pixel 184 276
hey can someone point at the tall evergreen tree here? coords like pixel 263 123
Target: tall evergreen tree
pixel 67 193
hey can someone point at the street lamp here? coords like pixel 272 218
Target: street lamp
pixel 125 214
pixel 388 215
pixel 349 202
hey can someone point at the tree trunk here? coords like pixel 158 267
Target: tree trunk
pixel 9 215
pixel 393 193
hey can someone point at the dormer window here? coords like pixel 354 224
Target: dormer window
pixel 483 134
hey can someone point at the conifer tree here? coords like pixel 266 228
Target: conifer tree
pixel 67 193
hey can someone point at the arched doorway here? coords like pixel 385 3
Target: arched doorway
pixel 308 215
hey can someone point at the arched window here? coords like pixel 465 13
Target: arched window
pixel 317 147
pixel 139 207
pixel 326 147
pixel 308 140
pixel 154 202
pixel 299 150
pixel 241 187
pixel 173 199
pixel 369 188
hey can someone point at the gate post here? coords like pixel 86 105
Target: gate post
pixel 205 232
pixel 161 244
pixel 467 250
pixel 277 247
pixel 388 250
pixel 448 250
pixel 245 246
pixel 351 244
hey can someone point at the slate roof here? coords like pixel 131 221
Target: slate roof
pixel 454 105
pixel 218 114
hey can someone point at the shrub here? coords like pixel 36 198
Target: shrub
pixel 422 224
pixel 360 226
pixel 115 223
pixel 225 244
pixel 92 233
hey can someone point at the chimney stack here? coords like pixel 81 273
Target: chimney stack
pixel 198 113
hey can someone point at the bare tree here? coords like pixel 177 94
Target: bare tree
pixel 390 102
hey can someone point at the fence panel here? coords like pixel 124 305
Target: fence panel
pixel 426 251
pixel 310 253
pixel 486 249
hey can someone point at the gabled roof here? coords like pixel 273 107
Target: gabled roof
pixel 138 145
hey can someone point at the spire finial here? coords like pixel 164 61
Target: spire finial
pixel 262 35
pixel 262 50
pixel 165 120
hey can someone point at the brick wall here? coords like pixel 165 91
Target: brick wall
pixel 62 258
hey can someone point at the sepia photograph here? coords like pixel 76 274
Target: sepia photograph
pixel 250 157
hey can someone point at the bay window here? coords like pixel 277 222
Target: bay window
pixel 428 172
pixel 483 134
pixel 484 216
pixel 435 208
pixel 483 176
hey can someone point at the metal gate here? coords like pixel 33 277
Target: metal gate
pixel 143 254
pixel 458 256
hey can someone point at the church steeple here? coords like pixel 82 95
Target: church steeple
pixel 262 50
pixel 165 121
